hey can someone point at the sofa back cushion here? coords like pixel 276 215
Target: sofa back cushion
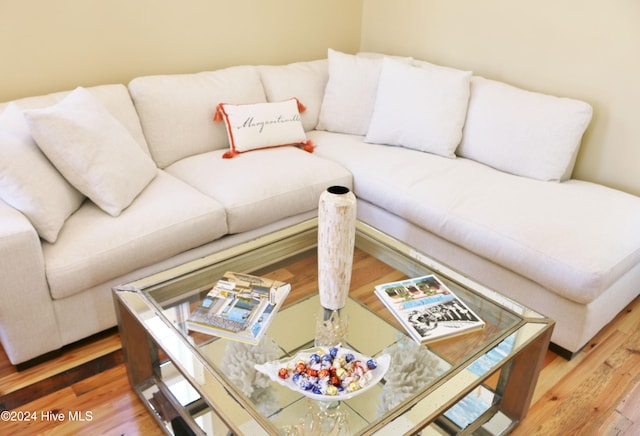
pixel 303 80
pixel 522 132
pixel 115 97
pixel 177 110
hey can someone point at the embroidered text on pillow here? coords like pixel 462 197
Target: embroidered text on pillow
pixel 219 109
pixel 263 125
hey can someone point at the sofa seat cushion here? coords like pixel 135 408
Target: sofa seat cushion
pixel 264 186
pixel 369 162
pixel 543 231
pixel 167 218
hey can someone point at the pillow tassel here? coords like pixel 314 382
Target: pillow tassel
pixel 217 117
pixel 301 107
pixel 230 154
pixel 308 146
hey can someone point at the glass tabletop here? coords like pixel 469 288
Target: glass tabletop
pixel 451 382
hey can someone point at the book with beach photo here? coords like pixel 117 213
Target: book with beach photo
pixel 428 309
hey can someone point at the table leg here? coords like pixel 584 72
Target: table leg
pixel 139 353
pixel 518 391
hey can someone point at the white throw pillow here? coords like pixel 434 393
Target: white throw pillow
pixel 421 106
pixel 28 181
pixel 262 125
pixel 522 132
pixel 92 150
pixel 350 93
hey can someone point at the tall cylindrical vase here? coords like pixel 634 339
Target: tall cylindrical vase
pixel 336 240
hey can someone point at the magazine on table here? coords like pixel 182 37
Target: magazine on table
pixel 239 307
pixel 427 308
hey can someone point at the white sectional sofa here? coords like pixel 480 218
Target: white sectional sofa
pixel 106 184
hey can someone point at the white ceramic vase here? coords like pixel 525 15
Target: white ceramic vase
pixel 336 240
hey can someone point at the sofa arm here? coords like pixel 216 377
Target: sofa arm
pixel 28 326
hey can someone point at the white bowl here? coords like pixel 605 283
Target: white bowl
pixel 371 377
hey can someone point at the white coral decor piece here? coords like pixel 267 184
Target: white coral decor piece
pixel 412 367
pixel 238 364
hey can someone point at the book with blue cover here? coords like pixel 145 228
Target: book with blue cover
pixel 239 307
pixel 428 309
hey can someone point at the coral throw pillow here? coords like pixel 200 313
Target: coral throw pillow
pixel 263 125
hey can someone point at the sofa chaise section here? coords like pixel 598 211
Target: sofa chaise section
pixel 575 242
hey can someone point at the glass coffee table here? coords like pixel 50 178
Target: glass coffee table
pixel 480 382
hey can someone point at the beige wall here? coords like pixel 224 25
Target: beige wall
pixel 585 49
pixel 56 45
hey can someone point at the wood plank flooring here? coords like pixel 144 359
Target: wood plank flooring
pixel 597 392
pixel 102 403
pixel 85 390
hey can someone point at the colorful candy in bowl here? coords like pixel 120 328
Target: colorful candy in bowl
pixel 328 374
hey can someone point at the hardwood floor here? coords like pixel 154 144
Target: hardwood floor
pixel 103 403
pixel 85 390
pixel 598 391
